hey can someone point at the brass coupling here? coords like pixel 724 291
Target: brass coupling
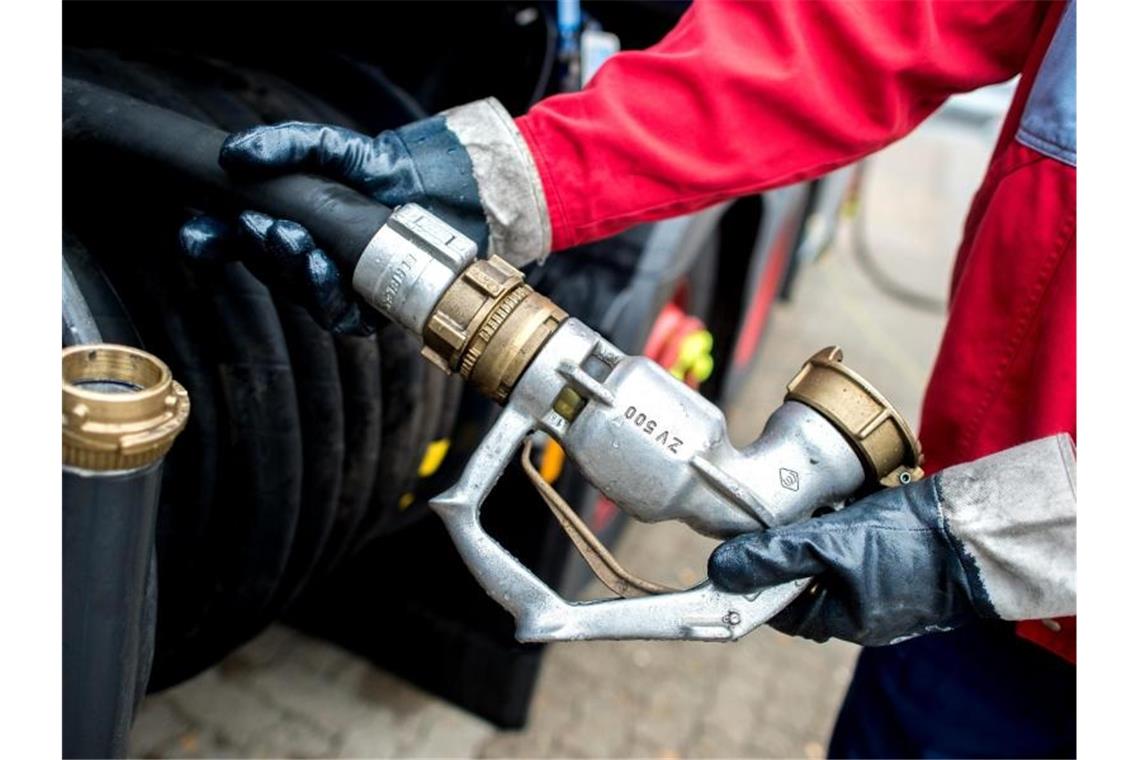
pixel 122 408
pixel 488 326
pixel 882 438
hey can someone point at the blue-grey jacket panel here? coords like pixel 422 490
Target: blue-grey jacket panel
pixel 1049 124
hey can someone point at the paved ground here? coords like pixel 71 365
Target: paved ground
pixel 285 695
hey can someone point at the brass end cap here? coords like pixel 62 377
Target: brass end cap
pixel 122 409
pixel 888 449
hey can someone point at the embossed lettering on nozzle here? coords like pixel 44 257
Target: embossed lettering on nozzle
pixel 409 264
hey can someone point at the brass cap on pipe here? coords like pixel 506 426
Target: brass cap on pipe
pixel 888 449
pixel 122 409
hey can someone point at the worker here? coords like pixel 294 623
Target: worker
pixel 745 96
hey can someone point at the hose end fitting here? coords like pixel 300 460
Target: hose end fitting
pixel 890 452
pixel 122 408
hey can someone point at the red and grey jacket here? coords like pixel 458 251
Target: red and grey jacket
pixel 743 96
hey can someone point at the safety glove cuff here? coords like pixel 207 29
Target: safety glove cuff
pixel 509 186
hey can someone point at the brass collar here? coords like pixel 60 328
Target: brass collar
pixel 489 325
pixel 888 449
pixel 122 408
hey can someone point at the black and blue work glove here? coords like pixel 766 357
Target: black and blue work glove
pixel 993 538
pixel 469 166
pixel 284 256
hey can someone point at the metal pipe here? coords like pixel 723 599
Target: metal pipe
pixel 121 413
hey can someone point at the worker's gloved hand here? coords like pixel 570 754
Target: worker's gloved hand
pixel 992 538
pixel 886 566
pixel 283 255
pixel 469 166
pixel 422 163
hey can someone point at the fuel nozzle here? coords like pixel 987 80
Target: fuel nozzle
pixel 652 445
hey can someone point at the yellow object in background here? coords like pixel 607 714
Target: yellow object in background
pixel 553 459
pixel 433 457
pixel 695 357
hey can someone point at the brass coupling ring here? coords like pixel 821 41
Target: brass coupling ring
pixel 122 408
pixel 488 326
pixel 890 452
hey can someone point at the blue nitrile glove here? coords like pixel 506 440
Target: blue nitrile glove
pixel 992 538
pixel 469 166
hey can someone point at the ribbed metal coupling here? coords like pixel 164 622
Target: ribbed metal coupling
pixel 122 409
pixel 882 438
pixel 488 326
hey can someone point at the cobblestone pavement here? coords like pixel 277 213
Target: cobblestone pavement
pixel 285 695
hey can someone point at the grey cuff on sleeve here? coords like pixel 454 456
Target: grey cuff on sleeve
pixel 510 188
pixel 1014 515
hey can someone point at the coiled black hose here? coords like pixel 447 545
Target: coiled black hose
pixel 226 593
pixel 186 151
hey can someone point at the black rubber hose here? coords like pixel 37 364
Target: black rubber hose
pixel 260 491
pixel 361 386
pixel 108 312
pixel 401 370
pixel 314 360
pixel 108 540
pixel 341 219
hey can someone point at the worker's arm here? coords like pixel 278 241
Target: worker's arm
pixel 994 538
pixel 744 96
pixel 468 166
pixel 739 97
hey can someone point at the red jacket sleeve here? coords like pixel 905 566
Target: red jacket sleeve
pixel 745 96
